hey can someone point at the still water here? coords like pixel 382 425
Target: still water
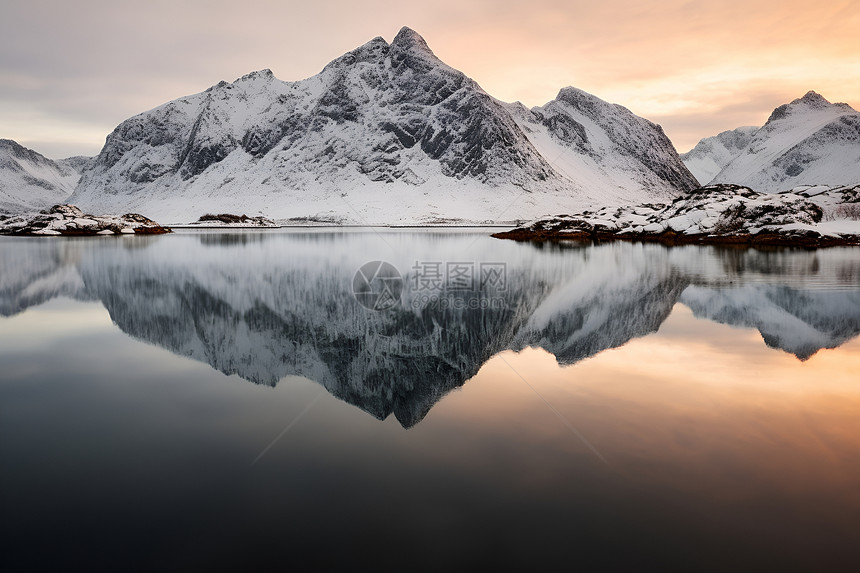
pixel 215 400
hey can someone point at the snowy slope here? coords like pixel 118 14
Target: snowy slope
pixel 31 182
pixel 712 154
pixel 602 146
pixel 809 141
pixel 386 133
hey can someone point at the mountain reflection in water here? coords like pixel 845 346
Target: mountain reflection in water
pixel 265 305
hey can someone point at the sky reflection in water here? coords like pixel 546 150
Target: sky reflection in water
pixel 123 445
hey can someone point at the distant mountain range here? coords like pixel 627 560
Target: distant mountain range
pixel 809 141
pixel 712 154
pixel 389 134
pixel 30 181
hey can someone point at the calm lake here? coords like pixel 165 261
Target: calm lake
pixel 425 400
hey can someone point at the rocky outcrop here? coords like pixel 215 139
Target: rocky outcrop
pixel 716 214
pixel 230 220
pixel 71 221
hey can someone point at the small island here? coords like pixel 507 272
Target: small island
pixel 813 216
pixel 69 220
pixel 231 220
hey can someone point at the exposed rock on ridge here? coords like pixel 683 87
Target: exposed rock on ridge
pixel 386 133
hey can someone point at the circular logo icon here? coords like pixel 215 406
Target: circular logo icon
pixel 377 285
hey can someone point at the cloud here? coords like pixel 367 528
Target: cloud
pixel 97 62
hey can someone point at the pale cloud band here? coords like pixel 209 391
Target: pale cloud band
pixel 71 71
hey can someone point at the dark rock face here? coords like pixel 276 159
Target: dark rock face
pixel 620 141
pixel 428 105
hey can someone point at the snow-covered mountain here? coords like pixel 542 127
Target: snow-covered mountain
pixel 30 181
pixel 712 154
pixel 386 133
pixel 809 141
pixel 599 145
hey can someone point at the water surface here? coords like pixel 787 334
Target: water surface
pixel 217 399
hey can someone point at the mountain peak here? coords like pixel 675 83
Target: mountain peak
pixel 570 92
pixel 17 150
pixel 265 74
pixel 579 98
pixel 29 181
pixel 813 99
pixel 817 101
pixel 809 141
pixel 407 38
pixel 370 51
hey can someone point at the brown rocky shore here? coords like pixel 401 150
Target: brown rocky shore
pixel 673 238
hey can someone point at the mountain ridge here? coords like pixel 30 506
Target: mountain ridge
pixel 808 141
pixel 29 181
pixel 357 142
pixel 712 154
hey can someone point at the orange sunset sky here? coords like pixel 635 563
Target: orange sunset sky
pixel 71 71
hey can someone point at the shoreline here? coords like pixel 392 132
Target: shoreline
pixel 672 238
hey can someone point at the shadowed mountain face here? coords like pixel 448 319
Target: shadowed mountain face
pixel 268 305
